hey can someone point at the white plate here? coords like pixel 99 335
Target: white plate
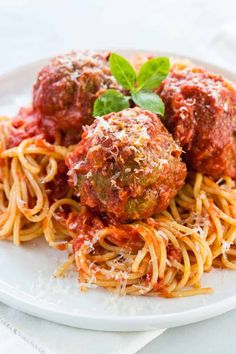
pixel 26 280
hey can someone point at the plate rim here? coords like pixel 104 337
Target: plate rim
pixel 21 301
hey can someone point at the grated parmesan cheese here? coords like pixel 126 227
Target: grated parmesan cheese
pixel 226 246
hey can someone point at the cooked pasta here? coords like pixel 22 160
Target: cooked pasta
pixel 25 174
pixel 173 250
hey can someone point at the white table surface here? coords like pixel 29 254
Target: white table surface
pixel 30 30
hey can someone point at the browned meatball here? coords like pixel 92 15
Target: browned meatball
pixel 127 165
pixel 201 115
pixel 66 89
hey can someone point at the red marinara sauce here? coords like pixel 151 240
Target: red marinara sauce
pixel 25 125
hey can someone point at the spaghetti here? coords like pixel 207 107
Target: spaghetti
pixel 25 175
pixel 172 250
pixel 169 252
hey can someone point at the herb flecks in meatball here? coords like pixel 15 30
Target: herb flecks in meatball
pixel 201 115
pixel 65 91
pixel 127 165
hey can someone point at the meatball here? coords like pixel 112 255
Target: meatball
pixel 65 91
pixel 201 115
pixel 127 165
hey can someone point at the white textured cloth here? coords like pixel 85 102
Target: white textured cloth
pixel 32 30
pixel 32 335
pixel 11 338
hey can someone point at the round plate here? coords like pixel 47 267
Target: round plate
pixel 26 273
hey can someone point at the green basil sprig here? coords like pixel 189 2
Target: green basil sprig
pixel 110 101
pixel 140 86
pixel 149 100
pixel 122 71
pixel 152 73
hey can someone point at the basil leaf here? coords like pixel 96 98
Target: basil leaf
pixel 122 71
pixel 110 101
pixel 152 73
pixel 150 101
